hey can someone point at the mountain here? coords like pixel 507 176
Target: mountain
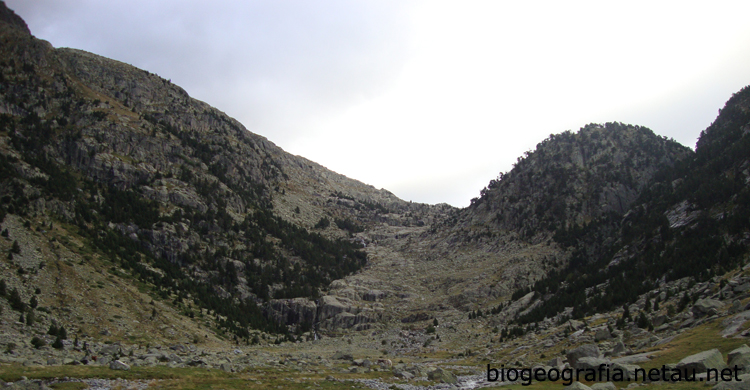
pixel 132 213
pixel 691 220
pixel 164 189
pixel 506 239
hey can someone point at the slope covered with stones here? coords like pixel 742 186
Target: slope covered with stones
pixel 168 189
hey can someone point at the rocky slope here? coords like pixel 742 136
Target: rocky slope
pixel 478 256
pixel 164 189
pixel 131 213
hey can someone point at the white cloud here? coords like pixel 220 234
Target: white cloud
pixel 429 99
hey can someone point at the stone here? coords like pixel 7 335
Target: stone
pixel 658 320
pixel 415 370
pixel 25 384
pixel 179 348
pixel 733 324
pixel 575 325
pixel 119 365
pixel 742 384
pixel 739 357
pixel 374 295
pixel 628 370
pixel 576 386
pixel 590 362
pixel 706 306
pixel 586 350
pixel 342 356
pixel 440 375
pixel 110 349
pixel 403 374
pixel 700 362
pixel 619 349
pixel 736 306
pixel 604 386
pixel 556 362
pixel 602 334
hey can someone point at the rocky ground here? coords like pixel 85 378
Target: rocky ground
pixel 457 352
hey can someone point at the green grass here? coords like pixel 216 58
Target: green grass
pixel 660 386
pixel 189 378
pixel 690 342
pixel 69 386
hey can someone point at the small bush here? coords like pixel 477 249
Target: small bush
pixel 323 223
pixel 37 342
pixel 52 330
pixel 15 301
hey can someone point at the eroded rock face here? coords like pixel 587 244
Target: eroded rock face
pixel 329 312
pixel 293 311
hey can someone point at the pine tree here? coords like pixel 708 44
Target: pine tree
pixel 58 344
pixel 15 301
pixel 52 330
pixel 643 321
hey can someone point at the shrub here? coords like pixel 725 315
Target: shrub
pixel 52 330
pixel 323 223
pixel 15 301
pixel 37 342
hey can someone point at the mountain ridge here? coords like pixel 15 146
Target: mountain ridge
pixel 133 213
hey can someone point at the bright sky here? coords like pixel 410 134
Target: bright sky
pixel 428 99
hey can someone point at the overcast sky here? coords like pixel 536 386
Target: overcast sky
pixel 427 99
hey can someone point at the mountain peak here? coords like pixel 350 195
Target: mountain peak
pixel 8 17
